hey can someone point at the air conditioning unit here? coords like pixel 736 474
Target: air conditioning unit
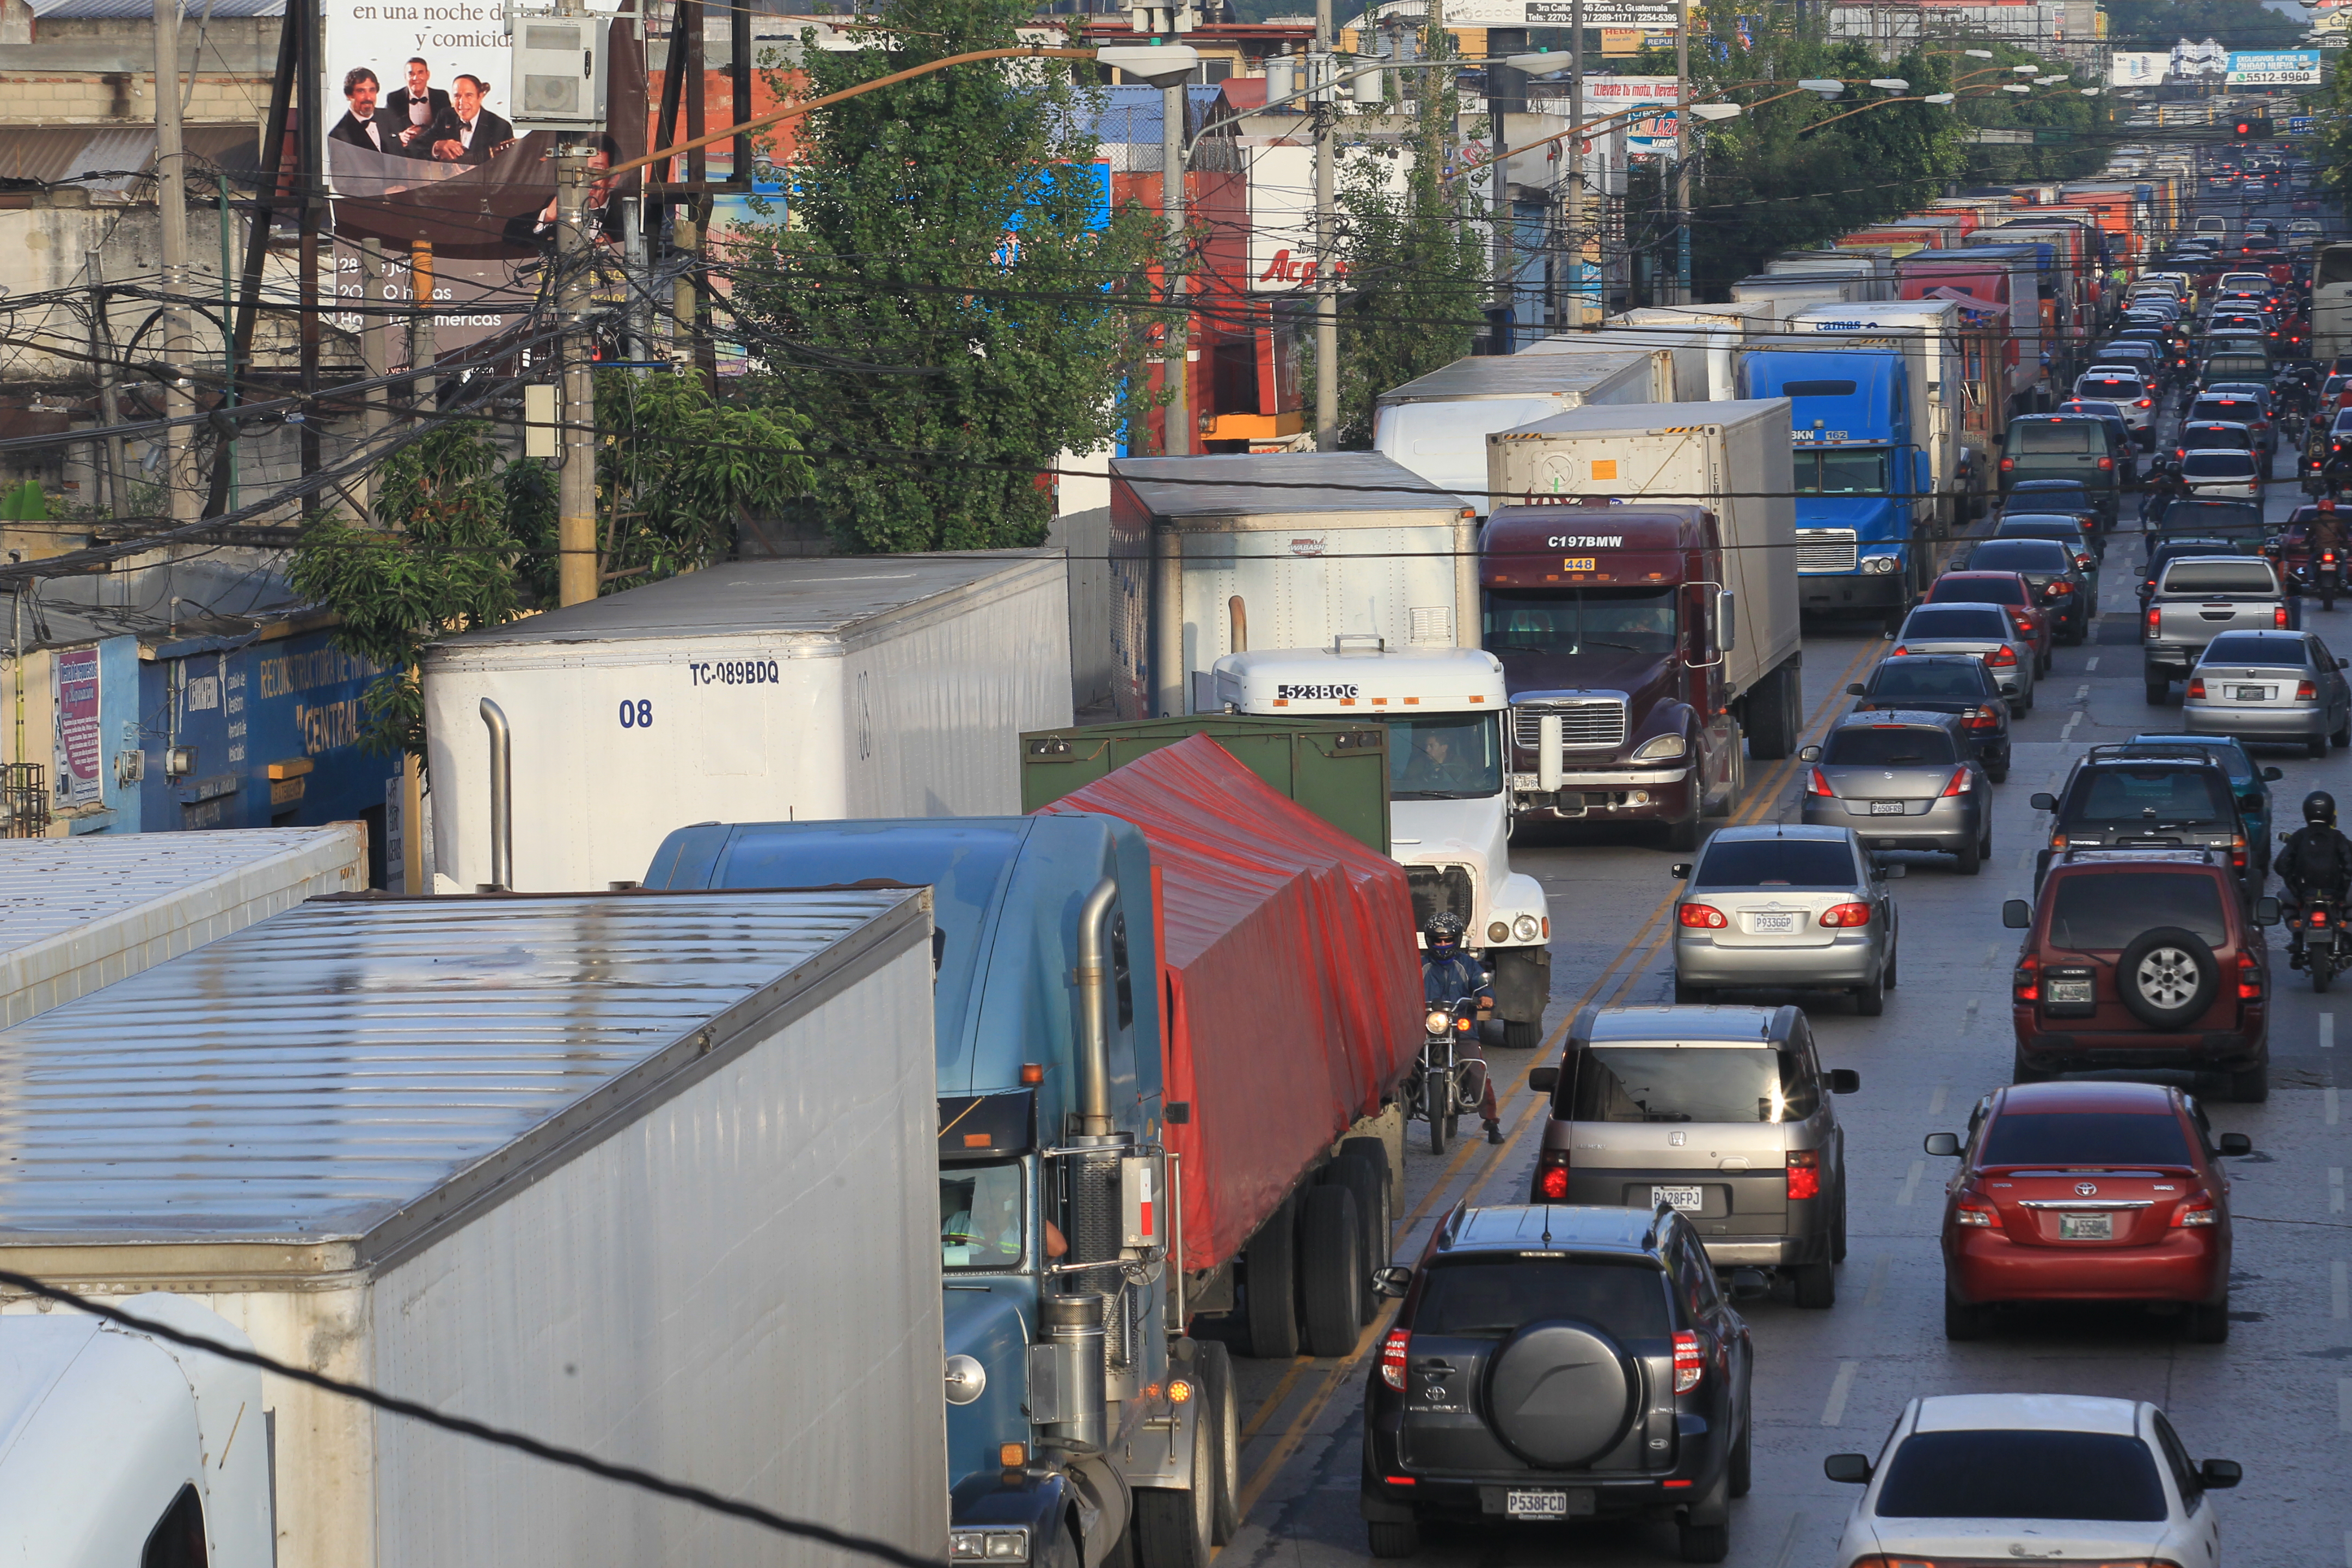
pixel 558 73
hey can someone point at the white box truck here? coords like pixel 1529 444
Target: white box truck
pixel 1211 555
pixel 1716 332
pixel 1687 350
pixel 1788 293
pixel 650 1175
pixel 868 686
pixel 78 913
pixel 1437 425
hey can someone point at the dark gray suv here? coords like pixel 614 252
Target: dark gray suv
pixel 1555 1363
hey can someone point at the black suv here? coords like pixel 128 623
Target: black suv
pixel 1554 1362
pixel 2120 797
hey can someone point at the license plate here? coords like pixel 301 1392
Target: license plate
pixel 1767 925
pixel 1525 781
pixel 1683 1199
pixel 1536 1505
pixel 2252 693
pixel 2087 1228
pixel 1885 808
pixel 2070 991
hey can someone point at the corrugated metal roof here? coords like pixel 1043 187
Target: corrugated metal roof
pixel 1245 485
pixel 52 886
pixel 318 1075
pixel 52 154
pixel 821 596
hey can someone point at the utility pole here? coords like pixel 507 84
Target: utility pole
pixel 1576 166
pixel 1323 106
pixel 374 360
pixel 424 390
pixel 576 496
pixel 1176 419
pixel 1507 89
pixel 109 406
pixel 172 207
pixel 1683 141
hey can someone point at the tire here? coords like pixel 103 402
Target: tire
pixel 1393 1541
pixel 1689 995
pixel 1705 1542
pixel 2342 735
pixel 2019 1072
pixel 2159 692
pixel 2209 1325
pixel 1742 1478
pixel 1172 1529
pixel 2167 977
pixel 1362 1178
pixel 1561 1392
pixel 1837 1236
pixel 1771 717
pixel 1270 1293
pixel 2253 1085
pixel 1972 859
pixel 1435 1089
pixel 1063 1553
pixel 1870 1001
pixel 2316 747
pixel 1962 1321
pixel 1332 1277
pixel 1376 1150
pixel 1522 1036
pixel 1888 975
pixel 1681 837
pixel 1998 774
pixel 1222 1407
pixel 1816 1285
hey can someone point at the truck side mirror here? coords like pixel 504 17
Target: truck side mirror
pixel 2234 1144
pixel 2016 914
pixel 2266 911
pixel 1727 620
pixel 1809 754
pixel 1844 1081
pixel 1543 1080
pixel 2042 800
pixel 1944 1143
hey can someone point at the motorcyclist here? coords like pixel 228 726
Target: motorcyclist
pixel 2327 531
pixel 2163 487
pixel 2336 474
pixel 2316 862
pixel 1448 973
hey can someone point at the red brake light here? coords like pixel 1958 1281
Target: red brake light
pixel 1690 1362
pixel 1702 916
pixel 2059 589
pixel 2106 465
pixel 2278 616
pixel 1392 1352
pixel 1846 915
pixel 2025 625
pixel 1815 783
pixel 2002 656
pixel 2198 1211
pixel 1899 651
pixel 2155 617
pixel 2147 401
pixel 2007 464
pixel 2025 980
pixel 2250 978
pixel 1962 784
pixel 2304 690
pixel 1975 1212
pixel 2195 688
pixel 1804 1174
pixel 1551 1175
pixel 1982 717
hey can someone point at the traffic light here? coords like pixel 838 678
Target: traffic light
pixel 2255 129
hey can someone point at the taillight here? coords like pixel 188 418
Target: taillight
pixel 2007 464
pixel 2196 691
pixel 2025 625
pixel 2304 690
pixel 1982 718
pixel 2155 620
pixel 2001 657
pixel 1393 1353
pixel 2250 978
pixel 1846 915
pixel 2106 465
pixel 1704 916
pixel 2237 852
pixel 1962 782
pixel 2059 590
pixel 1804 1174
pixel 1973 1211
pixel 1690 1362
pixel 2025 980
pixel 1551 1175
pixel 1899 651
pixel 1815 783
pixel 2319 917
pixel 2147 401
pixel 2180 451
pixel 2200 1210
pixel 2278 616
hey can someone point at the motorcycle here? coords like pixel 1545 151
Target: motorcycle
pixel 2327 576
pixel 1441 1086
pixel 2320 944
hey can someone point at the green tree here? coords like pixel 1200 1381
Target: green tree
pixel 949 295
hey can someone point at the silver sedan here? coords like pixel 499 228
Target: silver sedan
pixel 1785 907
pixel 1984 630
pixel 1902 781
pixel 2279 687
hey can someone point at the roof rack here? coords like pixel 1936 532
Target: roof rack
pixel 2147 751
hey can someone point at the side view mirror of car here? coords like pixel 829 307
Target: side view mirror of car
pixel 1852 1468
pixel 1391 1282
pixel 1809 754
pixel 2236 1143
pixel 2042 800
pixel 2016 914
pixel 1844 1081
pixel 2266 911
pixel 1749 1285
pixel 1944 1143
pixel 1889 873
pixel 2272 775
pixel 2221 1475
pixel 1856 688
pixel 1543 1080
pixel 1680 870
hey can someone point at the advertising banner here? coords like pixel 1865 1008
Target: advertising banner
pixel 1645 135
pixel 2277 68
pixel 76 749
pixel 1643 15
pixel 2138 69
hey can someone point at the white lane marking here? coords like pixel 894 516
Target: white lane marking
pixel 2327 1031
pixel 2093 664
pixel 1919 1169
pixel 1834 1411
pixel 2343 1404
pixel 2083 693
pixel 1797 1522
pixel 2339 1290
pixel 2348 1549
pixel 2331 1105
pixel 2334 1189
pixel 2072 719
pixel 1944 1090
pixel 1992 951
pixel 1877 1291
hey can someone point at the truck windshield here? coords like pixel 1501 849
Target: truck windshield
pixel 1849 471
pixel 1569 621
pixel 981 1217
pixel 1444 756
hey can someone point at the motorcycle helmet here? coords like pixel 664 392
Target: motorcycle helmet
pixel 1444 933
pixel 2319 808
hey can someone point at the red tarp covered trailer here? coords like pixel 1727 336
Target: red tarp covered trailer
pixel 1289 979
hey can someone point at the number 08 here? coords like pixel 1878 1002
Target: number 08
pixel 637 714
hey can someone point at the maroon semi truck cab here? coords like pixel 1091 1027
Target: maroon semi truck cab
pixel 1611 622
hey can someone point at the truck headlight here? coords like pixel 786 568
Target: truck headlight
pixel 1498 932
pixel 1880 564
pixel 990 1545
pixel 1661 748
pixel 1524 928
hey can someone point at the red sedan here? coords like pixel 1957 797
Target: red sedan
pixel 2088 1192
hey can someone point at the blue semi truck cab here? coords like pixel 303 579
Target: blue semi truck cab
pixel 1866 496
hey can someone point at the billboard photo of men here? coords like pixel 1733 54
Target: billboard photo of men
pixel 475 134
pixel 364 125
pixel 423 109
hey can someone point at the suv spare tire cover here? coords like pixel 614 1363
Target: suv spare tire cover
pixel 1562 1393
pixel 2167 977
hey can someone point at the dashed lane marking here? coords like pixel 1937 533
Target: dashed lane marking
pixel 1797 1522
pixel 2334 1189
pixel 2088 667
pixel 2331 1105
pixel 1919 1169
pixel 1877 1291
pixel 1834 1411
pixel 2339 1290
pixel 2327 1031
pixel 1943 1090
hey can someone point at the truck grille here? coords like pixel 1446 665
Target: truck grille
pixel 1826 550
pixel 1582 725
pixel 1438 889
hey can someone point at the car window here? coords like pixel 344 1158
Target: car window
pixel 2220 576
pixel 1962 621
pixel 2062 532
pixel 2020 555
pixel 2126 388
pixel 2057 435
pixel 2106 911
pixel 2112 797
pixel 1489 1297
pixel 1776 863
pixel 1698 1286
pixel 2023 1475
pixel 1977 590
pixel 1692 1083
pixel 2211 465
pixel 2185 1479
pixel 1891 747
pixel 2252 647
pixel 1907 678
pixel 2080 1139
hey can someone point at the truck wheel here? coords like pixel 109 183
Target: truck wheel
pixel 1270 1288
pixel 1220 1408
pixel 1363 1179
pixel 1172 1528
pixel 1393 1541
pixel 1772 719
pixel 1331 1270
pixel 1063 1553
pixel 1681 837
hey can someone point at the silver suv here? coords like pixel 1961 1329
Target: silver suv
pixel 1723 1114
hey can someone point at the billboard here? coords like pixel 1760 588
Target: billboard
pixel 77 753
pixel 2138 69
pixel 1644 15
pixel 2276 67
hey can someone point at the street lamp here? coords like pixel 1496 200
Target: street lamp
pixel 1716 111
pixel 1154 65
pixel 1827 87
pixel 1939 97
pixel 1891 83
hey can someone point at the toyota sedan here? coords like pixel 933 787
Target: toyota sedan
pixel 2281 686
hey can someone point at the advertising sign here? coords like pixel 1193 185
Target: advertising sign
pixel 76 750
pixel 1645 135
pixel 1645 15
pixel 2138 69
pixel 2276 67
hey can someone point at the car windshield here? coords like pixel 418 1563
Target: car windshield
pixel 2195 576
pixel 1861 471
pixel 2176 796
pixel 2062 530
pixel 982 1216
pixel 1935 622
pixel 1906 746
pixel 1691 1083
pixel 2067 435
pixel 1965 590
pixel 2105 911
pixel 2066 493
pixel 2254 647
pixel 1569 621
pixel 1488 1296
pixel 1929 678
pixel 2021 1475
pixel 2020 555
pixel 2068 1140
pixel 1775 863
pixel 2212 435
pixel 1445 756
pixel 2218 466
pixel 2114 388
pixel 2229 754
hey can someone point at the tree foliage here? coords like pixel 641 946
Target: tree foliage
pixel 950 294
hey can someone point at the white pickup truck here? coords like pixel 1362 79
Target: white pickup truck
pixel 2200 597
pixel 1449 804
